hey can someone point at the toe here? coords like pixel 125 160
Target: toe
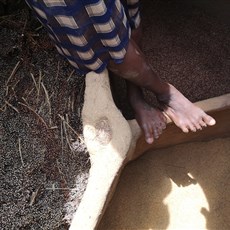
pixel 164 118
pixel 184 128
pixel 149 140
pixel 197 126
pixel 202 123
pixel 192 127
pixel 148 134
pixel 156 130
pixel 160 130
pixel 209 120
pixel 156 134
pixel 163 125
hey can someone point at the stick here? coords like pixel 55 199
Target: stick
pixel 3 108
pixel 48 102
pixel 59 170
pixel 12 106
pixel 39 117
pixel 33 197
pixel 39 82
pixel 47 94
pixel 38 28
pixel 70 75
pixel 35 83
pixel 63 119
pixel 13 72
pixel 66 136
pixel 72 102
pixel 62 142
pixel 69 103
pixel 29 92
pixel 20 151
pixel 57 188
pixel 7 90
pixel 15 84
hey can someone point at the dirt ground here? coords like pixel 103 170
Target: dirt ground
pixel 44 162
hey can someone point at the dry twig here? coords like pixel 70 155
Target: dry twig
pixel 59 170
pixel 66 136
pixel 69 103
pixel 31 109
pixel 35 83
pixel 39 82
pixel 3 108
pixel 11 106
pixel 33 196
pixel 13 87
pixel 63 119
pixel 62 141
pixel 29 93
pixel 71 74
pixel 20 150
pixel 72 101
pixel 7 90
pixel 38 28
pixel 48 102
pixel 57 188
pixel 13 72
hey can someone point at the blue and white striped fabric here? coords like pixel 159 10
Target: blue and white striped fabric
pixel 89 33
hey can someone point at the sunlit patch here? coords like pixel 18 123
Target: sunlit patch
pixel 185 205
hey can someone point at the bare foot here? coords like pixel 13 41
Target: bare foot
pixel 151 120
pixel 183 113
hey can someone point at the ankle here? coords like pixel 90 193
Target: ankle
pixel 164 95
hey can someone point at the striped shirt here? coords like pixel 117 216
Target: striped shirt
pixel 89 33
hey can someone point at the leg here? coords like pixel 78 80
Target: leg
pixel 134 68
pixel 151 120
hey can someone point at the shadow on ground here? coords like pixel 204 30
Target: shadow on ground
pixel 182 187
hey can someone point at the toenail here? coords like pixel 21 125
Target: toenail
pixel 212 122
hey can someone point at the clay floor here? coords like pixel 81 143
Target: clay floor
pixel 181 187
